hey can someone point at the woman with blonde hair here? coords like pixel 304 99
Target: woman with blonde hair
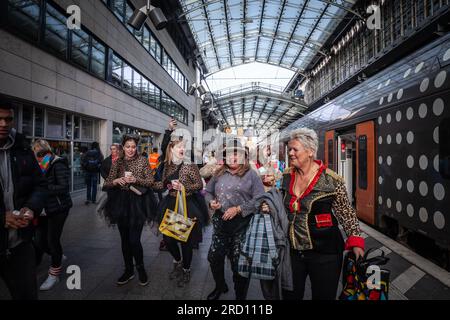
pixel 58 204
pixel 178 175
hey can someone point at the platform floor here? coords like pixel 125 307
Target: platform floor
pixel 90 244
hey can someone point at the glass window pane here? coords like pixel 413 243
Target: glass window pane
pixel 144 90
pixel 27 120
pixel 146 38
pixel 38 122
pixel 128 13
pixel 127 78
pixel 118 8
pixel 24 17
pixel 76 127
pixel 55 36
pixel 87 127
pixel 116 76
pixel 78 174
pixel 80 48
pixel 68 126
pixel 98 59
pixel 55 124
pixel 137 85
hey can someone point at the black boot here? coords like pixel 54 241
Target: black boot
pixel 217 292
pixel 241 285
pixel 126 277
pixel 143 279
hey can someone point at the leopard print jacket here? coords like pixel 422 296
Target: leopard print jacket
pixel 138 166
pixel 189 177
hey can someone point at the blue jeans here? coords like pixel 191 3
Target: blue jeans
pixel 91 184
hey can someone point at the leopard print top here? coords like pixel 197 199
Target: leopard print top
pixel 344 211
pixel 189 177
pixel 138 166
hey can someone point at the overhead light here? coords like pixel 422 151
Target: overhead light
pixel 192 89
pixel 155 14
pixel 201 90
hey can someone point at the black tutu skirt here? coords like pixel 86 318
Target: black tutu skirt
pixel 194 210
pixel 126 208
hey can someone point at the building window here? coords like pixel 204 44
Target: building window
pixel 127 78
pixel 144 90
pixel 27 120
pixel 55 35
pixel 38 122
pixel 146 39
pixel 87 127
pixel 76 128
pixel 80 48
pixel 55 125
pixel 362 162
pixel 98 55
pixel 137 85
pixel 444 148
pixel 68 127
pixel 24 17
pixel 118 8
pixel 116 73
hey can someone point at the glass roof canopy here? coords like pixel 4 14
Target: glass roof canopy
pixel 284 33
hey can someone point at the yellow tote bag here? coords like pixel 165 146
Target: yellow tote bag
pixel 175 223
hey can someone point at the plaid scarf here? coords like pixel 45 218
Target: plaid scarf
pixel 45 163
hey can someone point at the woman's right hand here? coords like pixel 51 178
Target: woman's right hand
pixel 215 205
pixel 120 181
pixel 172 124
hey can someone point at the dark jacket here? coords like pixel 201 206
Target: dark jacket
pixel 164 144
pixel 30 188
pixel 106 167
pixel 92 155
pixel 58 178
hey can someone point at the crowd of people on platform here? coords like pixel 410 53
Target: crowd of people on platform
pixel 301 208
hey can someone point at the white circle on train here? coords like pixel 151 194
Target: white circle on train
pixel 380 120
pixel 399 94
pixel 439 220
pixel 423 215
pixel 389 203
pixel 436 163
pixel 409 113
pixel 439 191
pixel 446 55
pixel 388 118
pixel 423 110
pixel 390 97
pixel 381 100
pixel 419 67
pixel 380 200
pixel 410 210
pixel 380 140
pixel 389 160
pixel 398 138
pixel 423 188
pixel 440 79
pixel 410 186
pixel 438 106
pixel 399 184
pixel 424 85
pixel 398 205
pixel 407 72
pixel 410 137
pixel 380 160
pixel 387 82
pixel 436 135
pixel 398 116
pixel 410 161
pixel 379 86
pixel 423 162
pixel 388 139
pixel 380 180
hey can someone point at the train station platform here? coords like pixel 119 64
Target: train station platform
pixel 93 246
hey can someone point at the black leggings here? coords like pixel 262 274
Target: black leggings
pixel 186 250
pixel 324 271
pixel 131 244
pixel 48 237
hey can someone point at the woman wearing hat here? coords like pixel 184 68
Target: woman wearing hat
pixel 132 205
pixel 231 193
pixel 177 175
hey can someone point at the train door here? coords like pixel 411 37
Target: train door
pixel 330 149
pixel 365 171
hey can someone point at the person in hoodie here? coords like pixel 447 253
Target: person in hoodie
pixel 22 196
pixel 51 224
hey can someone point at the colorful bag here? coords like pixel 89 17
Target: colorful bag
pixel 355 278
pixel 175 223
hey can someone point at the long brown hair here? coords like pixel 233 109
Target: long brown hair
pixel 243 168
pixel 168 158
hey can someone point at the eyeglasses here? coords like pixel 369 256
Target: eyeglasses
pixel 7 119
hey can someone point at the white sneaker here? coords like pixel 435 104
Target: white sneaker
pixel 49 282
